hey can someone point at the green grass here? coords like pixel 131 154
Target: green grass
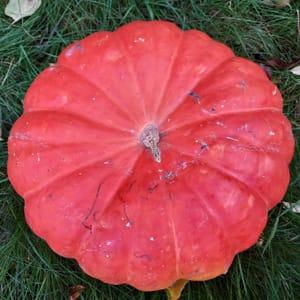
pixel 28 268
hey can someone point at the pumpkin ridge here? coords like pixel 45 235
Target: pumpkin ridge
pixel 130 249
pixel 243 144
pixel 228 113
pixel 168 75
pixel 108 97
pixel 48 146
pixel 173 233
pixel 131 69
pixel 174 109
pixel 227 85
pixel 54 179
pixel 80 117
pixel 229 174
pixel 225 173
pixel 211 211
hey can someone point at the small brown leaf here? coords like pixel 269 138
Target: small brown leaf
pixel 18 9
pixel 75 291
pixel 277 3
pixel 276 63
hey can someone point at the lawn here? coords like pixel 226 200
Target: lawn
pixel 265 34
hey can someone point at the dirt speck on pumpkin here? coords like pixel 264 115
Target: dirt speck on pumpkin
pixel 209 111
pixel 203 146
pixel 196 97
pixel 152 187
pixel 183 165
pixel 242 84
pixel 142 256
pixel 168 176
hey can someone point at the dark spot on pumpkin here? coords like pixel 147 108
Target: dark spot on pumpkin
pixel 203 146
pixel 142 256
pixel 89 227
pixel 152 187
pixel 243 84
pixel 196 97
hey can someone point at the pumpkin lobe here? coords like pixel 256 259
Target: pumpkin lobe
pixel 150 138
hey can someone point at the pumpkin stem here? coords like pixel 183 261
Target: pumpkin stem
pixel 174 291
pixel 150 139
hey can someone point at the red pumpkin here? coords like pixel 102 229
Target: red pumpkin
pixel 150 154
